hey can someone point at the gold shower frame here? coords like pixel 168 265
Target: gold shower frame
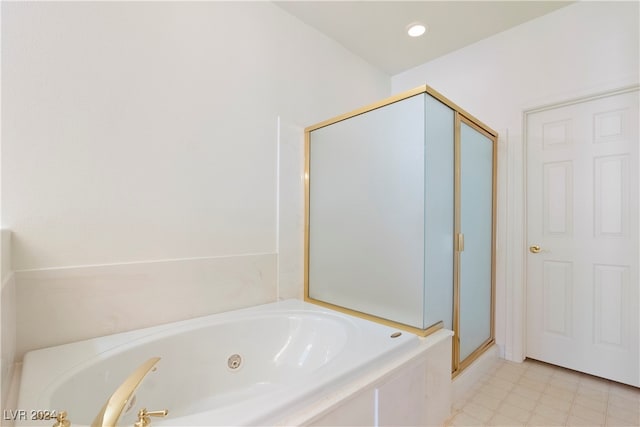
pixel 460 116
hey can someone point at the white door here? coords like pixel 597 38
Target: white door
pixel 582 231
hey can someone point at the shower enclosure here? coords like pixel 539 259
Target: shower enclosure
pixel 400 218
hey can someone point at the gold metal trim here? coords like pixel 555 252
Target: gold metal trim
pixel 399 97
pixel 307 212
pixel 370 107
pixel 455 353
pixel 494 231
pixel 480 129
pixel 431 91
pixel 474 356
pixel 420 332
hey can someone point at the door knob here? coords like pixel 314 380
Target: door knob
pixel 534 249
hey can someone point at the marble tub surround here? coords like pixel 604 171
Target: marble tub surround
pixel 413 390
pixel 7 317
pixel 5 255
pixel 290 235
pixel 8 338
pixel 474 373
pixel 59 306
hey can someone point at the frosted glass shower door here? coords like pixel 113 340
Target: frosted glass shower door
pixel 366 212
pixel 476 224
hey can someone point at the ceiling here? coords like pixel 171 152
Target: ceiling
pixel 376 30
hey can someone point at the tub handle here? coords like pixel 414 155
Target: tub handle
pixel 144 417
pixel 61 420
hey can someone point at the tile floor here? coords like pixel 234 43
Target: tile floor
pixel 537 394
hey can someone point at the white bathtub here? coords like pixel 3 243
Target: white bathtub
pixel 293 353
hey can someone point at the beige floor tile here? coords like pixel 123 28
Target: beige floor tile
pixel 554 402
pixel 540 421
pixel 479 412
pixel 515 412
pixel 498 364
pixel 468 396
pixel 553 414
pixel 501 383
pixel 502 420
pixel 599 404
pixel 493 391
pixel 559 393
pixel 458 404
pixel 540 367
pixel 508 375
pixel 563 384
pixel 520 401
pixel 536 394
pixel 526 392
pixel 453 414
pixel 578 421
pixel 595 383
pixel 624 403
pixel 474 388
pixel 533 384
pixel 587 413
pixel 513 368
pixel 521 366
pixel 540 376
pixel 592 393
pixel 487 401
pixel 461 401
pixel 630 414
pixel 625 391
pixel 567 376
pixel 487 377
pixel 464 419
pixel 613 421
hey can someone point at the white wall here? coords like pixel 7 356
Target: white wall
pixel 146 131
pixel 581 49
pixel 140 157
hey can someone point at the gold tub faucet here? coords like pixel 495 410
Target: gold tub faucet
pixel 122 398
pixel 144 419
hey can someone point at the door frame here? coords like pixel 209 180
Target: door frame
pixel 516 253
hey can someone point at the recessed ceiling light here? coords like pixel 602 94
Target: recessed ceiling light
pixel 416 29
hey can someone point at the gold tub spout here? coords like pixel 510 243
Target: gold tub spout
pixel 114 407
